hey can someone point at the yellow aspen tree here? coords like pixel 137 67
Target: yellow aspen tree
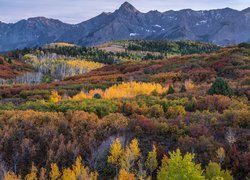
pixel 94 175
pixel 80 96
pixel 116 153
pixel 151 162
pixel 134 147
pixel 77 166
pixel 124 175
pixel 181 167
pixel 214 171
pixel 11 176
pixel 131 155
pixel 162 172
pixel 126 160
pixel 55 97
pixel 55 172
pixel 82 172
pixel 33 174
pixel 68 174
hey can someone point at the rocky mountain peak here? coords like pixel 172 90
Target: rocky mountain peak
pixel 127 7
pixel 37 19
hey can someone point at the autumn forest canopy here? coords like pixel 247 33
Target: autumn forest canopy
pixel 125 110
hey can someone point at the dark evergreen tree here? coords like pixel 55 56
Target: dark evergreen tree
pixel 220 86
pixel 171 90
pixel 97 96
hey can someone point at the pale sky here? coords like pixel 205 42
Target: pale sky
pixel 76 11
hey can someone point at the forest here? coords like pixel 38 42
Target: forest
pixel 184 116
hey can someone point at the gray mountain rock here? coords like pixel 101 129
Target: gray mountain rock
pixel 221 26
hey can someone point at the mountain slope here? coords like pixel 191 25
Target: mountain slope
pixel 31 32
pixel 221 26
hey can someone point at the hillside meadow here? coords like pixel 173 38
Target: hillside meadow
pixel 98 114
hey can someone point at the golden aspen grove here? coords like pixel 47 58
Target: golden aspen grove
pixel 124 90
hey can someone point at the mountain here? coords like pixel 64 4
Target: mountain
pixel 221 26
pixel 31 32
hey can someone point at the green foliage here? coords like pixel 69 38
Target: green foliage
pixel 162 172
pixel 100 107
pixel 220 86
pixel 244 45
pixel 156 111
pixel 46 78
pixel 97 96
pixel 7 106
pixel 151 162
pixel 88 53
pixel 171 90
pixel 174 111
pixel 172 47
pixel 28 93
pixel 178 167
pixel 213 171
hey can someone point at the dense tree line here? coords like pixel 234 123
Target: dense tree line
pixel 88 53
pixel 172 47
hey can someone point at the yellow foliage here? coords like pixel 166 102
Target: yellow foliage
pixel 33 174
pixel 134 147
pixel 132 89
pixel 127 159
pixel 189 85
pixel 95 91
pixel 11 176
pixel 175 111
pixel 130 156
pixel 94 175
pixel 55 97
pixel 76 172
pixel 116 152
pixel 55 172
pixel 84 65
pixel 77 167
pixel 80 170
pixel 124 175
pixel 80 96
pixel 68 174
pixel 124 90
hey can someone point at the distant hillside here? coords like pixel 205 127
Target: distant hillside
pixel 10 68
pixel 231 63
pixel 160 46
pixel 221 26
pixel 117 51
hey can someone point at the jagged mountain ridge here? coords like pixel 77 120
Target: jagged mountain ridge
pixel 222 26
